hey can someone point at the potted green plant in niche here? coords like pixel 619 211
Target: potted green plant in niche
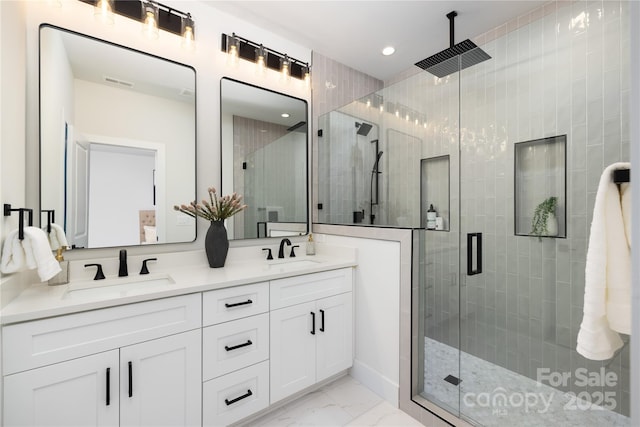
pixel 544 222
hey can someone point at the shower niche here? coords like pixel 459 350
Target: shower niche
pixel 540 187
pixel 435 193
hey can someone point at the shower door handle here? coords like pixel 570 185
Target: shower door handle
pixel 470 270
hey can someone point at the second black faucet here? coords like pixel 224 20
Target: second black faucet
pixel 122 270
pixel 282 243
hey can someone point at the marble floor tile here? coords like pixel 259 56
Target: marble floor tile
pixel 383 414
pixel 342 402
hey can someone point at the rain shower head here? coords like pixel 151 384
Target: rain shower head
pixel 363 128
pixel 441 64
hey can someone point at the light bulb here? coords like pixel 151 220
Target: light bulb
pixel 381 107
pixel 233 50
pixel 261 60
pixel 307 76
pixel 368 103
pixel 103 11
pixel 150 24
pixel 284 68
pixel 188 34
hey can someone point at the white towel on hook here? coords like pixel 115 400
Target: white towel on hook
pixel 607 275
pixel 33 252
pixel 57 238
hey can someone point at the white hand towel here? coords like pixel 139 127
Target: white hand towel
pixel 38 253
pixel 607 274
pixel 33 252
pixel 13 256
pixel 57 238
pixel 619 270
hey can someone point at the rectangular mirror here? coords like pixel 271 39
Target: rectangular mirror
pixel 264 138
pixel 117 142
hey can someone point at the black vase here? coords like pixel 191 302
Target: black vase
pixel 216 244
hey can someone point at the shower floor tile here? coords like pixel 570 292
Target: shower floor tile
pixel 491 395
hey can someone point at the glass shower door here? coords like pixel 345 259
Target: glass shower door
pixel 436 299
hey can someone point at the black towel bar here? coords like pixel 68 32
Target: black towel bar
pixel 51 218
pixel 21 211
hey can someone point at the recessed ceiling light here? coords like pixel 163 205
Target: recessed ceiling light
pixel 389 50
pixel 285 115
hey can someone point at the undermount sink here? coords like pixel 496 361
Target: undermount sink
pixel 291 264
pixel 119 286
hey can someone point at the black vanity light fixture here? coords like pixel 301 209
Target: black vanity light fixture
pixel 154 17
pixel 240 48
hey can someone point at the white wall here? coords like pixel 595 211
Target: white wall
pixel 376 312
pixel 57 77
pixel 124 190
pixel 169 123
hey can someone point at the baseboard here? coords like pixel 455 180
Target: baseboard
pixel 376 382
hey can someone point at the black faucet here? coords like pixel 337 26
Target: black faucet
pixel 122 271
pixel 281 251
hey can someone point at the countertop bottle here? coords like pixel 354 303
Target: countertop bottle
pixel 311 245
pixel 62 277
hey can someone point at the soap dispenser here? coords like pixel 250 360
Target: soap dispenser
pixel 311 245
pixel 62 277
pixel 431 218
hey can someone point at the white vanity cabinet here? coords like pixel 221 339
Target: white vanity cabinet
pixel 136 364
pixel 209 358
pixel 311 330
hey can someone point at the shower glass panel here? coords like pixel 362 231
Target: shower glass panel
pixel 496 341
pixel 270 187
pixel 352 157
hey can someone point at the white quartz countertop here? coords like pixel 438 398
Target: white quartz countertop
pixel 41 300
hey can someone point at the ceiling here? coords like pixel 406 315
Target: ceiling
pixel 354 32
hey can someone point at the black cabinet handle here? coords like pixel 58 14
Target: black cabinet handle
pixel 313 323
pixel 478 269
pixel 321 320
pixel 237 399
pixel 226 347
pixel 130 380
pixel 238 303
pixel 108 386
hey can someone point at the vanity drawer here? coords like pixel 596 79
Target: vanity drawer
pixel 235 396
pixel 230 346
pixel 43 342
pixel 227 304
pixel 310 287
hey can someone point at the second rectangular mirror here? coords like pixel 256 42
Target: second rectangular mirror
pixel 264 158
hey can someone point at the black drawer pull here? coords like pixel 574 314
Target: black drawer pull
pixel 313 323
pixel 238 303
pixel 130 380
pixel 321 320
pixel 108 386
pixel 237 399
pixel 226 347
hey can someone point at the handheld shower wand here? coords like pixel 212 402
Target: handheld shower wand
pixel 374 172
